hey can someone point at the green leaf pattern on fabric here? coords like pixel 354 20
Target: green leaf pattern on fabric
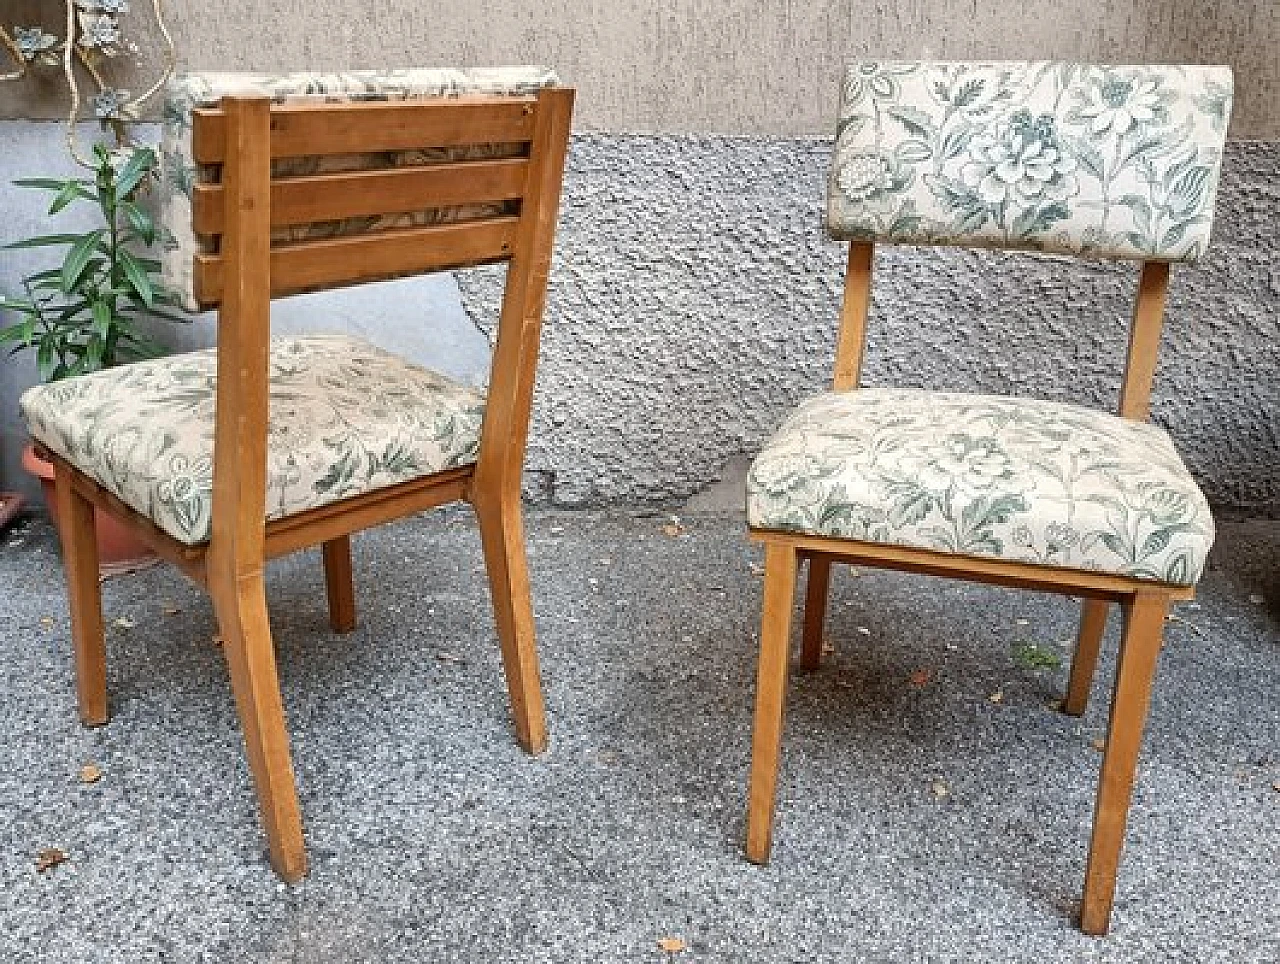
pixel 180 173
pixel 1118 162
pixel 1022 479
pixel 345 418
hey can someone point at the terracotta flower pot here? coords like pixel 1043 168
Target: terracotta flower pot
pixel 119 550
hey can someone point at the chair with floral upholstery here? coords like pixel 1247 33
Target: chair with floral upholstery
pixel 1089 161
pixel 222 459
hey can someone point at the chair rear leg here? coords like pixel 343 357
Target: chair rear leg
pixel 502 536
pixel 1139 650
pixel 339 585
pixel 815 611
pixel 84 594
pixel 241 608
pixel 771 694
pixel 1093 623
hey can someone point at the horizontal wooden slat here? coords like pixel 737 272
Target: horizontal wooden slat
pixel 368 257
pixel 364 511
pixel 1001 572
pixel 354 194
pixel 299 129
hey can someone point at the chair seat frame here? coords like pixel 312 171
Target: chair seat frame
pixel 1143 604
pixel 242 135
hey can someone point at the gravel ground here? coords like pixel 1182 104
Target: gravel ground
pixel 433 838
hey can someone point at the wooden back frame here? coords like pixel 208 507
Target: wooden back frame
pixel 1144 331
pixel 244 134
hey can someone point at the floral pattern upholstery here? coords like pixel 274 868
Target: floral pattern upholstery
pixel 1118 162
pixel 345 418
pixel 179 171
pixel 1018 479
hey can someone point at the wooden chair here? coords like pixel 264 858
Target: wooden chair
pixel 1088 161
pixel 226 458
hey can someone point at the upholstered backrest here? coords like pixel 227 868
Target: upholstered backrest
pixel 1111 162
pixel 189 212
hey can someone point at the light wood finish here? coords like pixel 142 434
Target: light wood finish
pixel 244 134
pixel 851 342
pixel 1139 650
pixel 339 584
pixel 1093 623
pixel 329 262
pixel 80 560
pixel 495 490
pixel 1144 602
pixel 815 611
pixel 1144 340
pixel 302 129
pixel 771 695
pixel 356 194
pixel 1000 572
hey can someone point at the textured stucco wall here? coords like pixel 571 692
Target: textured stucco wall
pixel 694 298
pixel 731 66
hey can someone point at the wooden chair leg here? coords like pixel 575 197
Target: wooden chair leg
pixel 815 611
pixel 502 536
pixel 771 693
pixel 1093 623
pixel 84 594
pixel 339 585
pixel 241 608
pixel 1139 650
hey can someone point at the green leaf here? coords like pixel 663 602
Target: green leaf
pixel 44 360
pixel 101 317
pixel 69 193
pixel 135 169
pixel 138 278
pixel 141 222
pixel 44 183
pixel 78 258
pixel 45 241
pixel 913 151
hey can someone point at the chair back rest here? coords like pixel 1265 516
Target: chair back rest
pixel 374 175
pixel 300 193
pixel 1104 162
pixel 1110 162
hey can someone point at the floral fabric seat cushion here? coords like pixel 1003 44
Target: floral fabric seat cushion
pixel 345 418
pixel 981 475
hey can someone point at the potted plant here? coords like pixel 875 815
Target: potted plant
pixel 89 312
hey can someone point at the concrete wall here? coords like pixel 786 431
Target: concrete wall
pixel 694 296
pixel 725 66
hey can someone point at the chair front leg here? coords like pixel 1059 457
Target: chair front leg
pixel 771 693
pixel 815 611
pixel 502 537
pixel 1093 623
pixel 1139 650
pixel 84 594
pixel 241 606
pixel 339 585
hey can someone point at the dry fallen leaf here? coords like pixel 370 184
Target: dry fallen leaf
pixel 1257 598
pixel 940 788
pixel 1099 744
pixel 862 630
pixel 449 657
pixel 920 677
pixel 1022 622
pixel 828 647
pixel 1276 786
pixel 90 773
pixel 171 610
pixel 50 857
pixel 1055 705
pixel 996 697
pixel 672 945
pixel 46 622
pixel 757 570
pixel 216 640
pixel 124 622
pixel 672 529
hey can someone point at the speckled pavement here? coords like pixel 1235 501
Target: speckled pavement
pixel 917 821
